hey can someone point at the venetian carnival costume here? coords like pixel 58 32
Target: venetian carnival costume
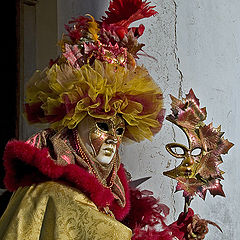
pixel 68 181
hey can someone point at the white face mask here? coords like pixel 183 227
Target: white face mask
pixel 104 136
pixel 106 153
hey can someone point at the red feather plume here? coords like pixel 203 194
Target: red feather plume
pixel 124 12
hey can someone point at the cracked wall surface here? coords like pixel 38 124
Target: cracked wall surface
pixel 196 45
pixel 208 34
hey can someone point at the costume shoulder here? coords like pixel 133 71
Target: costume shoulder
pixel 40 139
pixel 53 210
pixel 36 161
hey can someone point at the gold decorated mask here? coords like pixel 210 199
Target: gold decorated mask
pixel 198 171
pixel 191 160
pixel 102 136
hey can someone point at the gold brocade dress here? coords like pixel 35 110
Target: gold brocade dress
pixel 54 211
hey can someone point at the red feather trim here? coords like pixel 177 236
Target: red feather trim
pixel 124 12
pixel 151 234
pixel 177 230
pixel 147 213
pixel 26 165
pixel 146 210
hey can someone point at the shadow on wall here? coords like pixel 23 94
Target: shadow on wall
pixel 75 8
pixel 96 8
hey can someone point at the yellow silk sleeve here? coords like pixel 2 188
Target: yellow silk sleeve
pixel 54 211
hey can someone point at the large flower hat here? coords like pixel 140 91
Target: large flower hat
pixel 97 75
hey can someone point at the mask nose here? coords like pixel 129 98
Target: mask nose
pixel 111 140
pixel 188 161
pixel 187 165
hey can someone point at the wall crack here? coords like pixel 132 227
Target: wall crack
pixel 177 59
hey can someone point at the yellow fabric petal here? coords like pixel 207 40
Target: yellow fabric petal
pixel 102 91
pixel 93 28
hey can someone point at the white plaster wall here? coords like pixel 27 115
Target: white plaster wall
pixel 196 46
pixel 208 37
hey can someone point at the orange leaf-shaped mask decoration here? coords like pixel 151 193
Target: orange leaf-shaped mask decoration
pixel 198 171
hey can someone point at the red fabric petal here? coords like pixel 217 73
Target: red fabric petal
pixel 124 12
pixel 34 112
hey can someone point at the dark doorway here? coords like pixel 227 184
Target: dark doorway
pixel 9 75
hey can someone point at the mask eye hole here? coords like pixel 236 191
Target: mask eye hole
pixel 176 150
pixel 119 131
pixel 103 126
pixel 196 152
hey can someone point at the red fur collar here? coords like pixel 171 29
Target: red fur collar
pixel 26 165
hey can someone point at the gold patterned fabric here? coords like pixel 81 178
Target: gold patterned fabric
pixel 54 211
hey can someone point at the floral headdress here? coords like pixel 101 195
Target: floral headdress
pixel 97 75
